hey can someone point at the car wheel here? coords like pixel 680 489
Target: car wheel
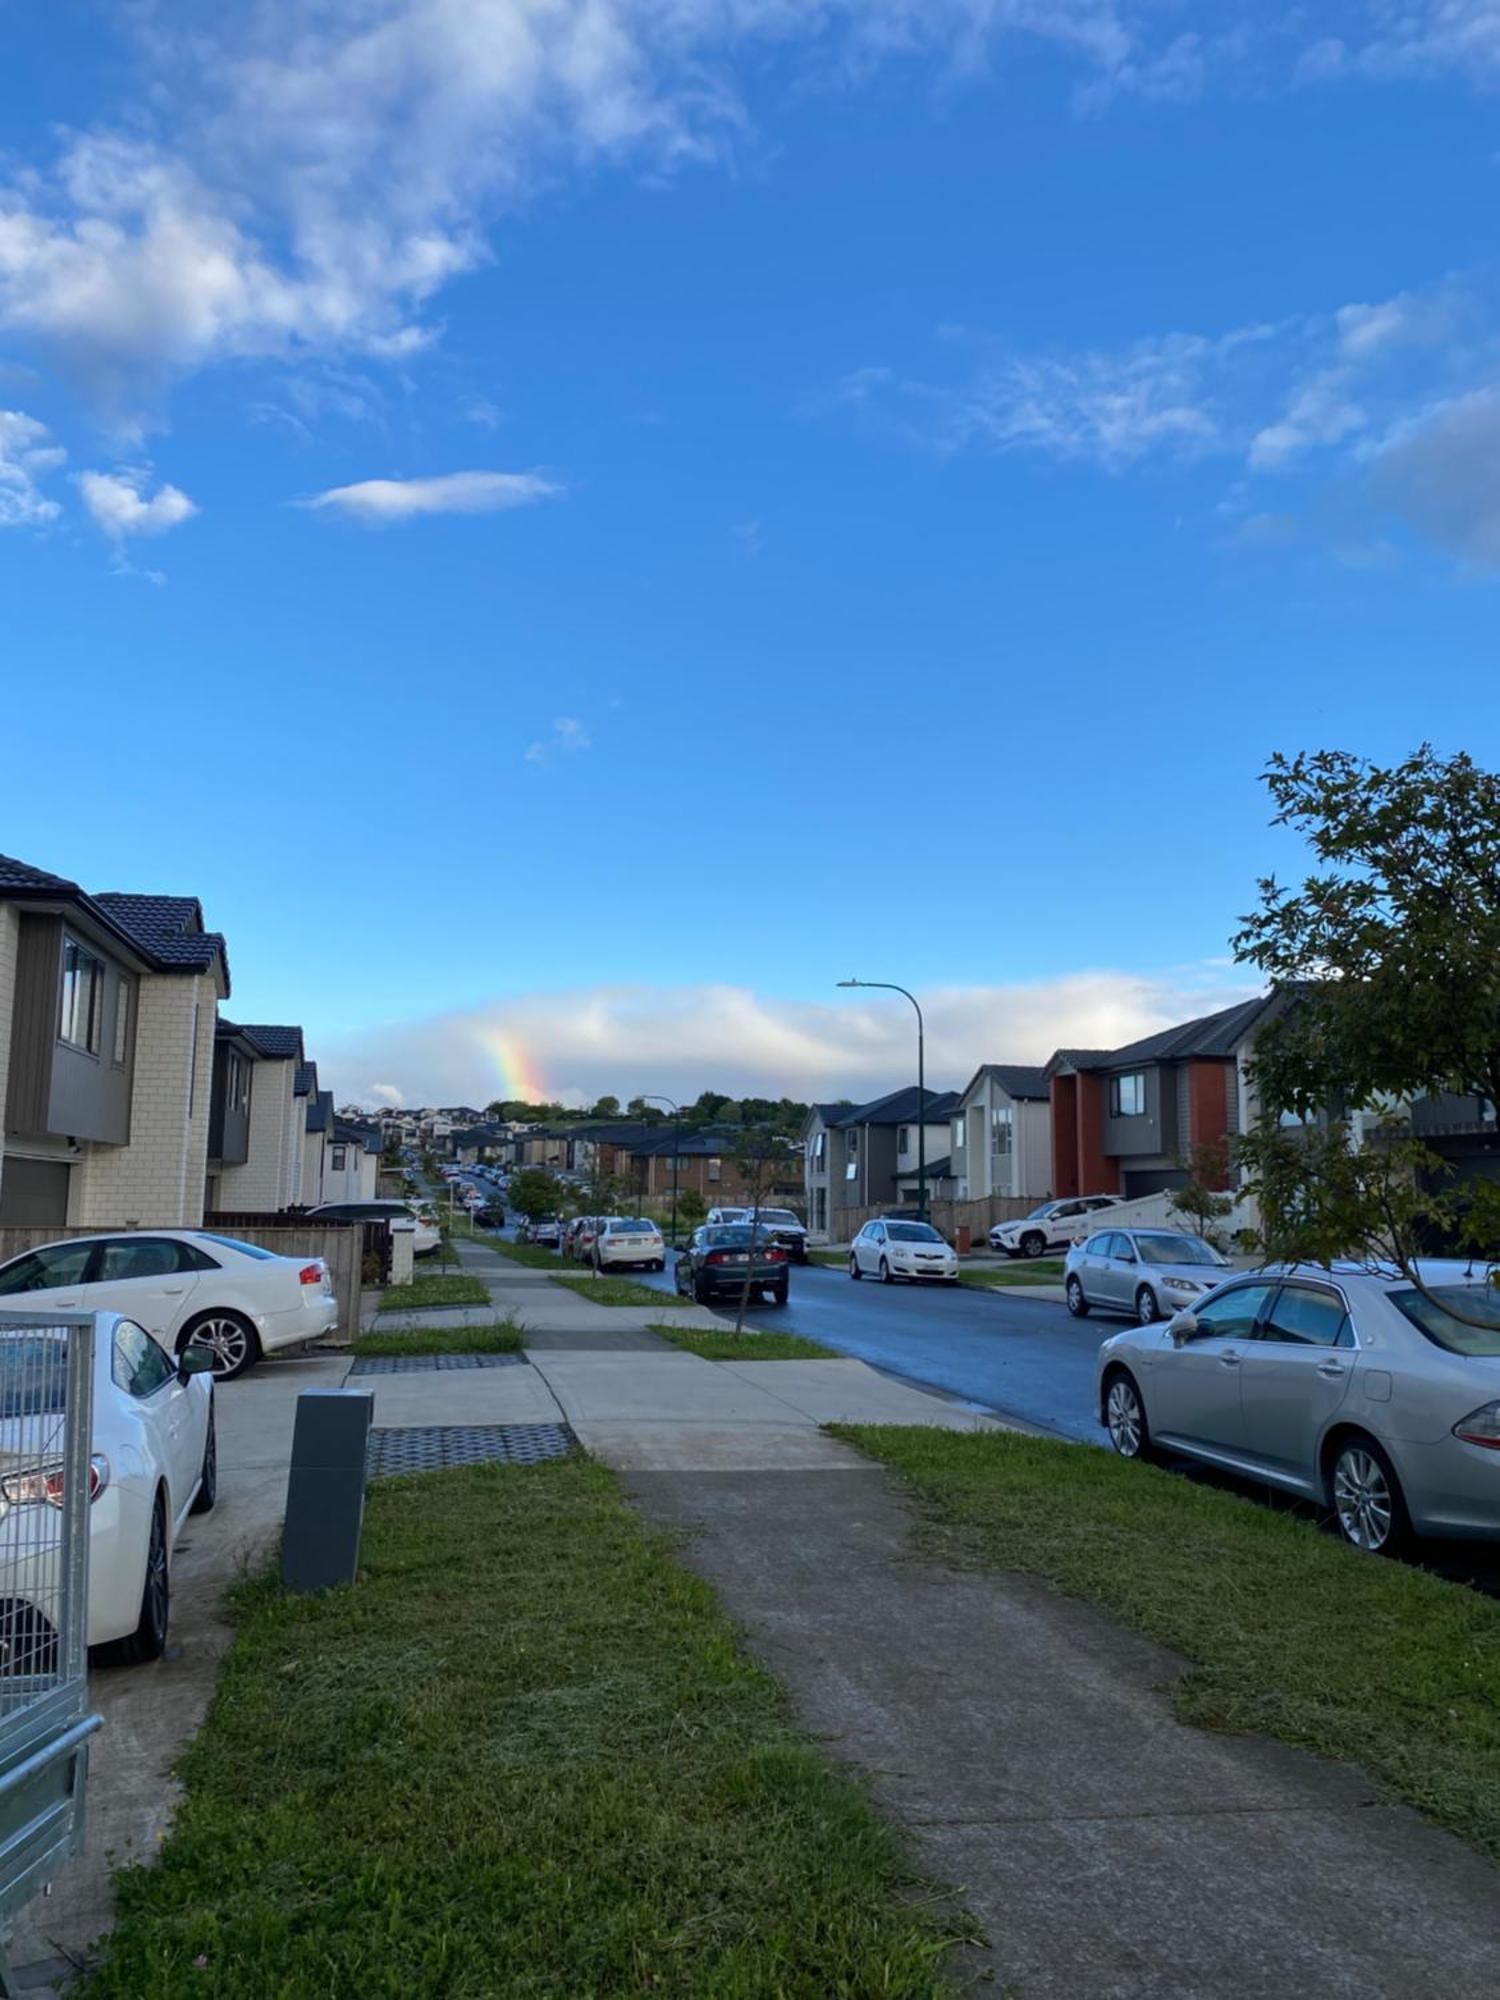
pixel 701 1292
pixel 1125 1416
pixel 778 1295
pixel 885 1273
pixel 1366 1497
pixel 1078 1305
pixel 1147 1311
pixel 854 1270
pixel 229 1338
pixel 149 1639
pixel 1033 1243
pixel 208 1477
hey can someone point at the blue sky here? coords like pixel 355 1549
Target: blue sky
pixel 572 527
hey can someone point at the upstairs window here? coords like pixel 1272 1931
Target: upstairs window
pixel 1127 1095
pixel 903 1141
pixel 337 1162
pixel 82 990
pixel 122 1022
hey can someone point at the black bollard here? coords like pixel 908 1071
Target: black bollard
pixel 325 1494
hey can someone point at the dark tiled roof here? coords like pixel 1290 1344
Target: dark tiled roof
pixel 935 1170
pixel 1019 1080
pixel 349 1134
pixel 1077 1059
pixel 1211 1037
pixel 320 1111
pixel 305 1082
pixel 168 928
pixel 899 1108
pixel 21 875
pixel 276 1044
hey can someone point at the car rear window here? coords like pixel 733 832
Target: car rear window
pixel 234 1243
pixel 1429 1313
pixel 733 1233
pixel 632 1229
pixel 33 1375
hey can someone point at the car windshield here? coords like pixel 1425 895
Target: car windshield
pixel 912 1232
pixel 1036 1214
pixel 1428 1312
pixel 234 1243
pixel 780 1216
pixel 1176 1250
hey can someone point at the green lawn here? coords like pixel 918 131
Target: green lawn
pixel 503 1337
pixel 536 1256
pixel 434 1288
pixel 524 1755
pixel 835 1260
pixel 619 1292
pixel 751 1345
pixel 1287 1631
pixel 1039 1271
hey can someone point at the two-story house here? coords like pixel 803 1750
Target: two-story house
pixel 1124 1120
pixel 1002 1134
pixel 107 1011
pixel 865 1155
pixel 264 1120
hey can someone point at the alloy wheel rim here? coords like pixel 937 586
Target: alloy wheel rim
pixel 1145 1307
pixel 1075 1294
pixel 1362 1500
pixel 156 1576
pixel 225 1341
pixel 1124 1419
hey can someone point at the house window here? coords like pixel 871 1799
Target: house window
pixel 1127 1095
pixel 818 1146
pixel 122 1022
pixel 713 1169
pixel 903 1141
pixel 338 1159
pixel 236 1082
pixel 82 986
pixel 958 1135
pixel 1002 1130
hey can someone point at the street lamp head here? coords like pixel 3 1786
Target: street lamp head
pixel 851 982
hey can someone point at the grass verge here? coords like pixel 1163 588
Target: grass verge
pixel 535 1256
pixel 1287 1632
pixel 524 1754
pixel 620 1292
pixel 832 1260
pixel 751 1345
pixel 435 1288
pixel 1040 1271
pixel 504 1337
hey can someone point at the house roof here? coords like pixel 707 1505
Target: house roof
pixel 1018 1080
pixel 899 1107
pixel 276 1044
pixel 935 1170
pixel 1211 1037
pixel 305 1082
pixel 166 931
pixel 349 1134
pixel 320 1111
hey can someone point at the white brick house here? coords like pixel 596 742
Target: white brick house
pixel 268 1175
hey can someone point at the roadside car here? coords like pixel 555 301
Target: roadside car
pixel 154 1461
pixel 1145 1272
pixel 395 1215
pixel 548 1233
pixel 580 1244
pixel 720 1257
pixel 1352 1387
pixel 1049 1225
pixel 782 1226
pixel 716 1216
pixel 889 1249
pixel 186 1287
pixel 631 1241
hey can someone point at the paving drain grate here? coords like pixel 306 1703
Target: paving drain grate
pixel 426 1364
pixel 427 1448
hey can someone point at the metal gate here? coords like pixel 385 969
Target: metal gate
pixel 46 1431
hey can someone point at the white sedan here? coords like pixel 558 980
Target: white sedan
pixel 187 1287
pixel 153 1461
pixel 891 1250
pixel 630 1241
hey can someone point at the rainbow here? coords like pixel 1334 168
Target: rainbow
pixel 520 1078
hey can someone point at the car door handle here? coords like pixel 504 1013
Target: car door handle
pixel 1229 1360
pixel 1332 1369
pixel 173 1291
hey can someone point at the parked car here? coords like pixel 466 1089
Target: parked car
pixel 784 1228
pixel 1144 1272
pixel 631 1241
pixel 889 1249
pixel 548 1232
pixel 491 1215
pixel 427 1236
pixel 186 1287
pixel 154 1461
pixel 1049 1225
pixel 716 1216
pixel 720 1256
pixel 1353 1388
pixel 579 1242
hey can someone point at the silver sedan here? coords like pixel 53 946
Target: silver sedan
pixel 1354 1388
pixel 1148 1273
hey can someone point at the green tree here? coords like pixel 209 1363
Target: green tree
pixel 536 1194
pixel 1387 957
pixel 606 1107
pixel 1204 1199
pixel 691 1209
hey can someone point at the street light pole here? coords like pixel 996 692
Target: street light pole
pixel 887 986
pixel 655 1097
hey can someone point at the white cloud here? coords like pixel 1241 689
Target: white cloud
pixel 388 1093
pixel 121 505
pixel 27 454
pixel 378 502
pixel 1438 472
pixel 568 737
pixel 585 1041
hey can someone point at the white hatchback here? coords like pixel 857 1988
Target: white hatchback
pixel 187 1287
pixel 154 1461
pixel 896 1249
pixel 629 1240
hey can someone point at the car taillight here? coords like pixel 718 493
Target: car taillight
pixel 47 1483
pixel 310 1274
pixel 775 1256
pixel 1481 1426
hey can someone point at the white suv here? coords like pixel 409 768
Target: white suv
pixel 1050 1226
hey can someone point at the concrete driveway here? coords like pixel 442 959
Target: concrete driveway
pixel 150 1712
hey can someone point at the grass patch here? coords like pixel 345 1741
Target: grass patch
pixel 535 1256
pixel 525 1754
pixel 833 1260
pixel 751 1345
pixel 1287 1632
pixel 1040 1271
pixel 433 1288
pixel 620 1292
pixel 504 1337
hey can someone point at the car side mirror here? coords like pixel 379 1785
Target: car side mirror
pixel 1182 1328
pixel 194 1361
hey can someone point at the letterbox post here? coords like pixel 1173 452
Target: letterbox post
pixel 325 1494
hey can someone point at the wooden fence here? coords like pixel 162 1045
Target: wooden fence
pixel 948 1217
pixel 341 1245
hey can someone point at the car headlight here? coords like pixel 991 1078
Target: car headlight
pixel 1190 1285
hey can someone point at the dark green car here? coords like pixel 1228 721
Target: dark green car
pixel 720 1256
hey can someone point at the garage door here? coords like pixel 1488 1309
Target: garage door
pixel 1152 1180
pixel 34 1194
